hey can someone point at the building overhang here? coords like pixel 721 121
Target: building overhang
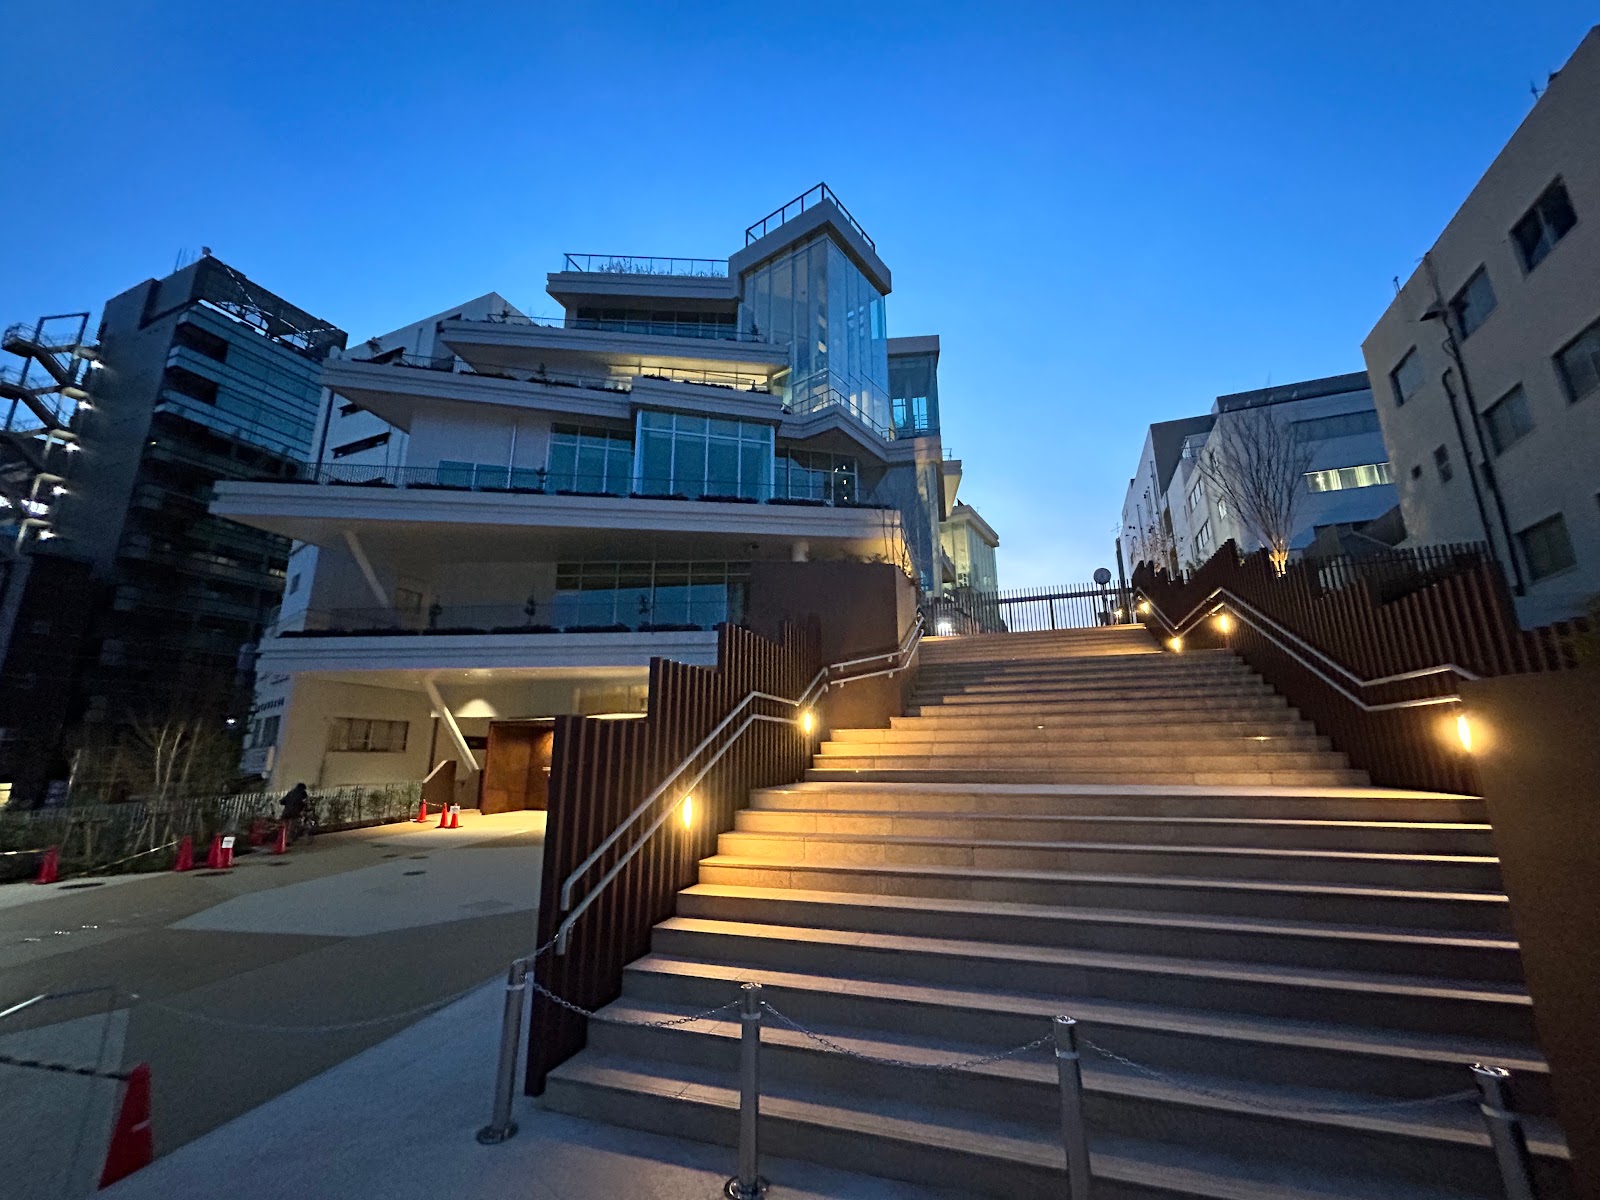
pixel 410 660
pixel 684 292
pixel 824 216
pixel 965 514
pixel 422 527
pixel 516 347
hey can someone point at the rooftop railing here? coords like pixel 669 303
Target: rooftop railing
pixel 450 365
pixel 567 614
pixel 725 333
pixel 634 264
pixel 799 205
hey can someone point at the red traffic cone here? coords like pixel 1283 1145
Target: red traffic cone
pixel 131 1145
pixel 455 816
pixel 444 818
pixel 185 860
pixel 214 859
pixel 49 866
pixel 281 846
pixel 422 812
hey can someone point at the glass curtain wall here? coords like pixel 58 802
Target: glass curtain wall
pixel 812 475
pixel 816 300
pixel 650 595
pixel 590 460
pixel 914 394
pixel 684 455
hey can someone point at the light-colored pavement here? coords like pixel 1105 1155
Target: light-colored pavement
pixel 238 986
pixel 397 1122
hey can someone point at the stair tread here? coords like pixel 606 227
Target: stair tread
pixel 1367 982
pixel 1458 1123
pixel 1117 819
pixel 1127 789
pixel 906 839
pixel 1034 874
pixel 1228 1026
pixel 1132 917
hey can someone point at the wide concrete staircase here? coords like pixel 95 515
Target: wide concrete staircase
pixel 1267 957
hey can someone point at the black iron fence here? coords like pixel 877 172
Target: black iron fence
pixel 966 611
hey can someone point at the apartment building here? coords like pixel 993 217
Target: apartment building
pixel 1488 360
pixel 153 605
pixel 1173 517
pixel 510 515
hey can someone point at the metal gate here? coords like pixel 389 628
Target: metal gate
pixel 1027 610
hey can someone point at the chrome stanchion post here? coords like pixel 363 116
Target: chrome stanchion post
pixel 1074 1133
pixel 1505 1130
pixel 748 1184
pixel 501 1126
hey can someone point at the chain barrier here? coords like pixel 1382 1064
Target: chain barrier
pixel 964 1064
pixel 35 1064
pixel 339 1027
pixel 1277 1105
pixel 598 1015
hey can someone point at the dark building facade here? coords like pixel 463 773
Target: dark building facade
pixel 204 376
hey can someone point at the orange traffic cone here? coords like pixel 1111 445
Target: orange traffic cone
pixel 281 846
pixel 444 818
pixel 455 816
pixel 214 859
pixel 185 860
pixel 422 812
pixel 131 1145
pixel 49 866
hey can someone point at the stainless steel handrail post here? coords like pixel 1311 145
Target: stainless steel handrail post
pixel 501 1126
pixel 748 1184
pixel 1074 1134
pixel 1506 1134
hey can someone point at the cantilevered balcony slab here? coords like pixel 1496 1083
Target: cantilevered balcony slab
pixel 526 347
pixel 401 659
pixel 420 526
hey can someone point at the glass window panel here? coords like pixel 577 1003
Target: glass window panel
pixel 591 474
pixel 1509 420
pixel 525 477
pixel 491 476
pixel 455 474
pixel 655 420
pixel 754 464
pixel 655 464
pixel 689 466
pixel 685 424
pixel 1579 363
pixel 722 468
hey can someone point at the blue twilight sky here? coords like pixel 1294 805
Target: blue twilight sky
pixel 1110 213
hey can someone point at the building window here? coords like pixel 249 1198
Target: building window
pixel 1579 363
pixel 264 732
pixel 1341 479
pixel 640 595
pixel 360 734
pixel 1196 498
pixel 590 460
pixel 692 456
pixel 1406 378
pixel 811 475
pixel 1473 303
pixel 1546 547
pixel 1441 462
pixel 201 341
pixel 294 584
pixel 1545 224
pixel 1508 420
pixel 1351 424
pixel 1202 538
pixel 196 387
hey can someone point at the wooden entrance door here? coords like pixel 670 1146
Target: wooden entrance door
pixel 516 769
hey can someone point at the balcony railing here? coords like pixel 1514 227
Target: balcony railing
pixel 799 205
pixel 467 619
pixel 815 489
pixel 634 264
pixel 449 364
pixel 720 333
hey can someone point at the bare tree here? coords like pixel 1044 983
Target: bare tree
pixel 1257 466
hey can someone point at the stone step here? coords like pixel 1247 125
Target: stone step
pixel 1389 837
pixel 1024 743
pixel 1069 717
pixel 1071 689
pixel 1068 670
pixel 1265 940
pixel 1444 1147
pixel 1383 1063
pixel 1151 711
pixel 1354 804
pixel 909 732
pixel 1236 778
pixel 1477 1009
pixel 1214 757
pixel 1400 908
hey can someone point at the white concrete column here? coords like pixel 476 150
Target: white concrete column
pixel 468 762
pixel 800 551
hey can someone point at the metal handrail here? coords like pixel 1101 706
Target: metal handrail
pixel 819 683
pixel 645 264
pixel 822 192
pixel 1293 645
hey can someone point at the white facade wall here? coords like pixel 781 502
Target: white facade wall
pixel 312 705
pixel 1537 312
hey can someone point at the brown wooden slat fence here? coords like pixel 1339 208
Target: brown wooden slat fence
pixel 1379 616
pixel 602 769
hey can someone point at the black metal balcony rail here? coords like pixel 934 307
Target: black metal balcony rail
pixel 792 487
pixel 600 611
pixel 450 365
pixel 636 264
pixel 707 331
pixel 791 210
pixel 825 401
